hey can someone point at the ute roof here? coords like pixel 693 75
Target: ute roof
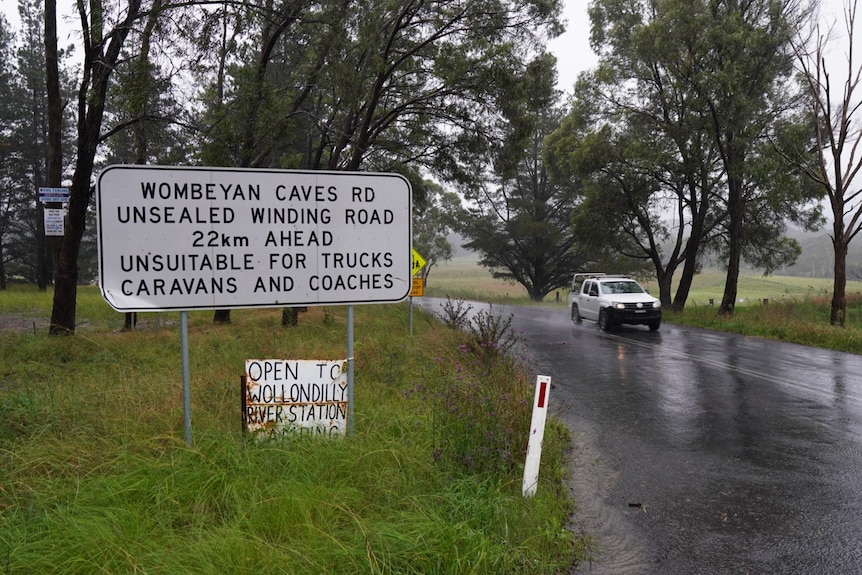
pixel 580 278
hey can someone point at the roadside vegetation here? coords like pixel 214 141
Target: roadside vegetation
pixel 95 475
pixel 787 308
pixel 804 321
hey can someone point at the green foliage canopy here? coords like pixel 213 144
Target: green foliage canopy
pixel 672 136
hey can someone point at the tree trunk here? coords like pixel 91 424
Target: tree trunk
pixel 685 281
pixel 839 283
pixel 46 247
pixel 664 286
pixel 66 284
pixel 221 316
pixel 689 267
pixel 736 212
pixel 289 316
pixel 728 300
pixel 99 63
pixel 54 176
pixel 2 269
pixel 66 272
pixel 66 255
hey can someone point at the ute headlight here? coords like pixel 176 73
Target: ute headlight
pixel 656 304
pixel 619 306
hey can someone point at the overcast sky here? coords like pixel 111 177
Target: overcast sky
pixel 572 49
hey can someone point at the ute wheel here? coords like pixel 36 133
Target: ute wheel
pixel 604 321
pixel 654 325
pixel 576 315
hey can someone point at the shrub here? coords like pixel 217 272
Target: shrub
pixel 455 313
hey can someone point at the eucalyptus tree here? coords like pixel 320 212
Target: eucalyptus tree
pixel 333 85
pixel 241 122
pixel 647 174
pixel 143 115
pixel 351 86
pixel 387 85
pixel 105 27
pixel 647 196
pixel 742 61
pixel 145 121
pixel 691 92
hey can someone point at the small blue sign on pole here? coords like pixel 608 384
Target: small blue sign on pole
pixel 53 195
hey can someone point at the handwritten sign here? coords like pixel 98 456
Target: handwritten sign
pixel 289 396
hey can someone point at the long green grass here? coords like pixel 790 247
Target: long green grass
pixel 95 476
pixel 803 321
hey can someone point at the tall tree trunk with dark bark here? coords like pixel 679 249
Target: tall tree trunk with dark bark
pixel 839 275
pixel 101 53
pixel 736 211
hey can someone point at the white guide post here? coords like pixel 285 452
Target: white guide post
pixel 537 434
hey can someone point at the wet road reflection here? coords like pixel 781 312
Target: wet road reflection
pixel 699 452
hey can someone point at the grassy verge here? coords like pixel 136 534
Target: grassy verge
pixel 804 321
pixel 96 478
pixel 786 308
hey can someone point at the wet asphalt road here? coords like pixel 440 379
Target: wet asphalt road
pixel 699 452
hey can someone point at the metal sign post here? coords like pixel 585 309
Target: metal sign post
pixel 351 425
pixel 187 389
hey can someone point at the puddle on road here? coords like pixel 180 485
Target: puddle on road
pixel 618 550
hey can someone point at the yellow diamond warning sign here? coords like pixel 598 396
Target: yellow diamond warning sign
pixel 418 263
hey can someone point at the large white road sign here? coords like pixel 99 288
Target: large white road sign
pixel 186 238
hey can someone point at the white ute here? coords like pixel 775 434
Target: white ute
pixel 611 301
